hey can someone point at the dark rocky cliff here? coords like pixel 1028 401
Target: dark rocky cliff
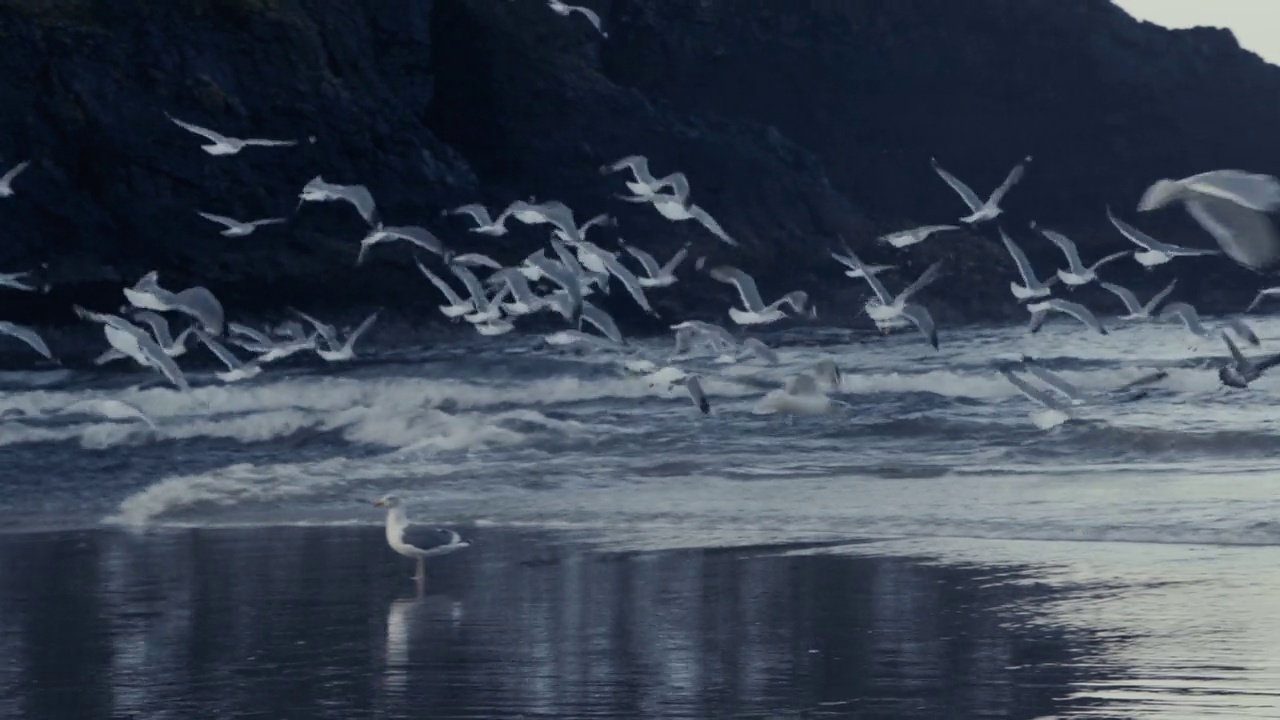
pixel 796 122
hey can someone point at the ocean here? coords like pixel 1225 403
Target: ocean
pixel 922 550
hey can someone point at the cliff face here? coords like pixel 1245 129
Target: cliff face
pixel 796 122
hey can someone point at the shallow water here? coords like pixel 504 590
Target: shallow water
pixel 1154 521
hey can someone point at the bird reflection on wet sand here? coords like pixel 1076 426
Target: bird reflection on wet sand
pixel 277 623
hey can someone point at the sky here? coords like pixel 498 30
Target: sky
pixel 1256 23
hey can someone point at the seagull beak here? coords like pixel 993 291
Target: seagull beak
pixel 379 502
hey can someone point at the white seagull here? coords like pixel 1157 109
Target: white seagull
pixel 645 185
pixel 1138 311
pixel 1031 287
pixel 224 145
pixel 981 211
pixel 885 309
pixel 1263 293
pixel 419 236
pixel 756 312
pixel 484 224
pixel 134 342
pixel 657 276
pixel 1231 205
pixel 457 307
pixel 235 228
pixel 1076 273
pixel 906 238
pixel 854 270
pixel 17 281
pixel 236 369
pixel 197 302
pixel 317 190
pixel 1153 251
pixel 416 543
pixel 1040 311
pixel 6 182
pixel 1252 190
pixel 335 351
pixel 1191 321
pixel 562 9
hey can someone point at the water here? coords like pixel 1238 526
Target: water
pixel 1147 529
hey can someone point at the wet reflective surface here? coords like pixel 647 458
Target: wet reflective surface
pixel 325 623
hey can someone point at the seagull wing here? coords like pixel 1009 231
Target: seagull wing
pixel 1126 296
pixel 1068 248
pixel 477 260
pixel 702 216
pixel 760 350
pixel 926 278
pixel 226 356
pixel 269 143
pixel 637 164
pixel 419 236
pixel 203 132
pixel 26 335
pixel 968 195
pixel 1251 190
pixel 360 197
pixel 646 260
pixel 1034 393
pixel 7 180
pixel 220 219
pixel 436 280
pixel 876 286
pixel 745 284
pixel 1237 357
pixel 1187 314
pixel 159 326
pixel 1010 180
pixel 360 330
pixel 1020 259
pixel 694 386
pixel 675 260
pixel 629 281
pixel 1079 312
pixel 478 212
pixel 267 221
pixel 1243 330
pixel 327 331
pixel 201 304
pixel 470 280
pixel 1246 236
pixel 602 321
pixel 1160 296
pixel 1110 258
pixel 1056 381
pixel 254 335
pixel 923 321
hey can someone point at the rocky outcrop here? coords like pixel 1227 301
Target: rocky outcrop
pixel 797 123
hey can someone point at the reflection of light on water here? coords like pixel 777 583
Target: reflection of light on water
pixel 397 646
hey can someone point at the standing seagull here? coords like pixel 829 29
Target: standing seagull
pixel 413 542
pixel 561 9
pixel 6 182
pixel 224 145
pixel 756 312
pixel 1076 273
pixel 235 228
pixel 1153 251
pixel 1138 311
pixel 981 211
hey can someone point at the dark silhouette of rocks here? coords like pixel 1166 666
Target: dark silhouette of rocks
pixel 798 124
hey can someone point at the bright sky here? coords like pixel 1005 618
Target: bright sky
pixel 1255 22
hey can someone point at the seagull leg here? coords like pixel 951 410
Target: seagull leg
pixel 420 574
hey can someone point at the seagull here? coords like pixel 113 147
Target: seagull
pixel 1031 287
pixel 173 347
pixel 1055 412
pixel 611 263
pixel 484 225
pixel 415 543
pixel 1251 190
pixel 134 342
pixel 1263 293
pixel 317 190
pixel 719 339
pixel 693 384
pixel 906 238
pixel 235 228
pixel 419 236
pixel 1055 381
pixel 602 321
pixel 646 185
pixel 26 335
pixel 1077 273
pixel 588 278
pixel 6 182
pixel 457 307
pixel 886 309
pixel 476 260
pixel 1138 311
pixel 562 9
pixel 657 276
pixel 236 370
pixel 110 409
pixel 1241 371
pixel 197 302
pixel 1153 251
pixel 1231 205
pixel 1040 311
pixel 224 145
pixel 333 350
pixel 1191 321
pixel 571 307
pixel 799 395
pixel 981 211
pixel 673 207
pixel 856 271
pixel 756 313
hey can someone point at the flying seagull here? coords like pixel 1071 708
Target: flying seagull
pixel 484 224
pixel 334 350
pixel 855 270
pixel 756 312
pixel 1153 251
pixel 656 276
pixel 317 190
pixel 1191 321
pixel 1076 273
pixel 235 228
pixel 1031 286
pixel 1241 370
pixel 1138 311
pixel 134 342
pixel 1231 205
pixel 1263 293
pixel 1040 311
pixel 197 302
pixel 981 211
pixel 236 369
pixel 419 236
pixel 224 145
pixel 906 238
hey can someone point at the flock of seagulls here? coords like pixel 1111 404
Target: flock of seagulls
pixel 565 276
